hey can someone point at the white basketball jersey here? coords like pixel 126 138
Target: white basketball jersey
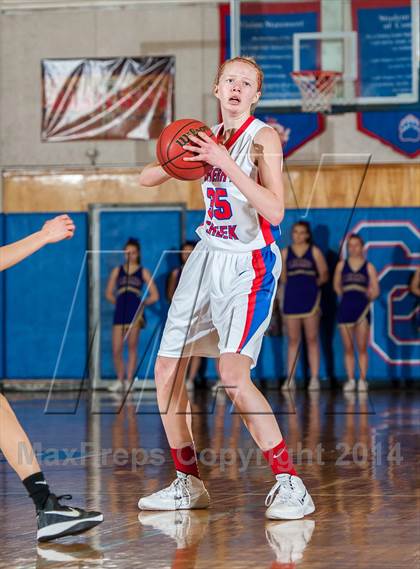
pixel 231 222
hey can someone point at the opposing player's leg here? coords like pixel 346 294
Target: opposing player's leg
pixel 294 338
pixel 54 520
pixel 187 491
pixel 311 329
pixel 348 346
pixel 361 334
pixel 15 444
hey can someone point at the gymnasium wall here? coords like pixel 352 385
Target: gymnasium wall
pixel 306 186
pixel 191 33
pixel 27 37
pixel 40 292
pixel 38 295
pixel 54 177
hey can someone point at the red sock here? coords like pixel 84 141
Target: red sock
pixel 279 460
pixel 185 460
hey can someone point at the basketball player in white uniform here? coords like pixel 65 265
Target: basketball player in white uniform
pixel 223 302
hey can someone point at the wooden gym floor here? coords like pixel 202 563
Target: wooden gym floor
pixel 359 457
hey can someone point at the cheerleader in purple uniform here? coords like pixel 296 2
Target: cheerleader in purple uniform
pixel 304 272
pixel 124 289
pixel 356 282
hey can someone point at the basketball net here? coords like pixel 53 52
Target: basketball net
pixel 317 89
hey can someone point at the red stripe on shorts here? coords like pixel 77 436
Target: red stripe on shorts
pixel 260 270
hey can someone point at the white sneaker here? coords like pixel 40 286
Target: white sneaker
pixel 350 385
pixel 289 540
pixel 288 499
pixel 314 384
pixel 289 385
pixel 185 493
pixel 116 386
pixel 362 386
pixel 186 527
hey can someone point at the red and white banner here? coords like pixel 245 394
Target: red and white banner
pixel 112 99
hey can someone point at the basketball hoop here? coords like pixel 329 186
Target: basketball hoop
pixel 317 89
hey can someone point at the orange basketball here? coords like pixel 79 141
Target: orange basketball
pixel 170 152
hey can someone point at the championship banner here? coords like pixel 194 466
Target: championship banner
pixel 398 129
pixel 107 99
pixel 294 129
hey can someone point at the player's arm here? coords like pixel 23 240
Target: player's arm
pixel 283 276
pixel 267 197
pixel 374 290
pixel 321 266
pixel 153 293
pixel 111 284
pixel 415 283
pixel 337 278
pixel 53 230
pixel 153 175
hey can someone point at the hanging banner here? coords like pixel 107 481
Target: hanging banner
pixel 294 129
pixel 398 129
pixel 267 35
pixel 386 70
pixel 384 44
pixel 107 99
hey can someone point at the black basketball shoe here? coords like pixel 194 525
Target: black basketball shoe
pixel 55 520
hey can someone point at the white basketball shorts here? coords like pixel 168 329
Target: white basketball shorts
pixel 222 304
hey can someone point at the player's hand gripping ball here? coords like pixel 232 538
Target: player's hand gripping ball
pixel 170 150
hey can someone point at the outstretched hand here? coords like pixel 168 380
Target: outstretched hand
pixel 207 150
pixel 58 228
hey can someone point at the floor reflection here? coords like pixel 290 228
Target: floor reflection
pixel 357 453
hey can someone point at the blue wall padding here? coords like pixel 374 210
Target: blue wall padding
pixel 38 293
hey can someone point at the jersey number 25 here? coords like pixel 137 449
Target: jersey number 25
pixel 219 205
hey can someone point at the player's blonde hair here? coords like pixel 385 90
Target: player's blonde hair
pixel 241 59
